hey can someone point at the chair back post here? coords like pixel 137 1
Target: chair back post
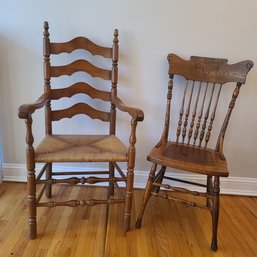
pixel 114 80
pixel 165 133
pixel 220 141
pixel 47 75
pixel 244 68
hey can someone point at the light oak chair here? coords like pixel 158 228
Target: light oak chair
pixel 60 148
pixel 204 78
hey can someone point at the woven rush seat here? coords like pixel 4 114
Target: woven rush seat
pixel 81 148
pixel 182 156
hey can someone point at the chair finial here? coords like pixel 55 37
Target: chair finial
pixel 115 35
pixel 46 27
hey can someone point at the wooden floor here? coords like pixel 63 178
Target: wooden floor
pixel 168 229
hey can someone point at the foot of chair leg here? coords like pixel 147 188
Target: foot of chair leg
pixel 32 236
pixel 32 233
pixel 138 223
pixel 126 225
pixel 215 213
pixel 147 195
pixel 214 246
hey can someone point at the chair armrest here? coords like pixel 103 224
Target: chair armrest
pixel 135 113
pixel 26 109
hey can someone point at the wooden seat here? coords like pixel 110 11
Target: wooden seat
pixel 199 82
pixel 186 157
pixel 69 148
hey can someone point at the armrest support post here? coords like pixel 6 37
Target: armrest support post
pixel 130 174
pixel 29 140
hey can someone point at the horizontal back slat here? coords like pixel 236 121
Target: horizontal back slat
pixel 80 65
pixel 210 70
pixel 78 88
pixel 80 43
pixel 80 108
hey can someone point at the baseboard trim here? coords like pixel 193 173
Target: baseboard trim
pixel 230 185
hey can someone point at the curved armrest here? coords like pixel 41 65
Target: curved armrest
pixel 26 109
pixel 136 113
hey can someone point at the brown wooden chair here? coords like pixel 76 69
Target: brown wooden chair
pixel 204 79
pixel 56 148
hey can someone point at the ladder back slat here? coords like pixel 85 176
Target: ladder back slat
pixel 80 87
pixel 80 65
pixel 80 108
pixel 80 43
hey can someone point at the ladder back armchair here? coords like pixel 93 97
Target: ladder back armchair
pixel 63 148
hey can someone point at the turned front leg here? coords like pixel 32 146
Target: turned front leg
pixel 130 176
pixel 31 181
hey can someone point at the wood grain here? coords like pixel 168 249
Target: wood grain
pixel 168 230
pixel 210 70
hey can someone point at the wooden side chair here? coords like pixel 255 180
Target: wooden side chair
pixel 204 78
pixel 60 148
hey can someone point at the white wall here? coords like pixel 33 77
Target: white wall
pixel 149 30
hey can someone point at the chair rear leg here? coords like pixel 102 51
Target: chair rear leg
pixel 48 191
pixel 159 178
pixel 147 194
pixel 215 213
pixel 111 175
pixel 208 190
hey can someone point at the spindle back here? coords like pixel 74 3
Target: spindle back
pixel 204 80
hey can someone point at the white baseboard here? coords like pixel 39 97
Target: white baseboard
pixel 230 185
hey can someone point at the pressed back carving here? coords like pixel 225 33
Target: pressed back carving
pixel 209 70
pixel 204 80
pixel 80 65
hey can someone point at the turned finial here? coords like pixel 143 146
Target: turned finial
pixel 115 35
pixel 46 27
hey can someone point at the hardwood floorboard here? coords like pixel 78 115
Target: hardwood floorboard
pixel 168 229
